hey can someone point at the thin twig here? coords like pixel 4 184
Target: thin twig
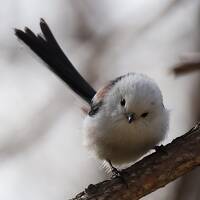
pixel 185 68
pixel 189 63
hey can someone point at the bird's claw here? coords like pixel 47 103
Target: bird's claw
pixel 117 174
pixel 161 148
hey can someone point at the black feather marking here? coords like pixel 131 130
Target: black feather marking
pixel 113 82
pixel 95 108
pixel 97 101
pixel 50 52
pixel 116 80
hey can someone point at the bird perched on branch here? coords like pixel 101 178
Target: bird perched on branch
pixel 125 118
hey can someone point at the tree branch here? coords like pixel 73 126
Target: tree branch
pixel 191 63
pixel 185 68
pixel 152 172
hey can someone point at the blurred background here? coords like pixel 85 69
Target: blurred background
pixel 41 152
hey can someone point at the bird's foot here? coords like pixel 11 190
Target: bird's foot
pixel 117 174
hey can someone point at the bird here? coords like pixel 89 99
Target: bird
pixel 124 119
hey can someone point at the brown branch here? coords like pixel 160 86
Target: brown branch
pixel 152 172
pixel 190 63
pixel 185 68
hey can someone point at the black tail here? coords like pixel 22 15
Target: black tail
pixel 48 50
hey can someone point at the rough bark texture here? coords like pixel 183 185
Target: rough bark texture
pixel 152 172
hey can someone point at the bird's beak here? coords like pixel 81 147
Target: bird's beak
pixel 130 117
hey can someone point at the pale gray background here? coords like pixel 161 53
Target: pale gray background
pixel 41 154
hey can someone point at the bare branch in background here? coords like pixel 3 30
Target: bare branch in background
pixel 86 32
pixel 83 30
pixel 152 172
pixel 187 67
pixel 189 63
pixel 161 16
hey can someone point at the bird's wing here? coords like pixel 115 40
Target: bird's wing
pixel 47 48
pixel 97 100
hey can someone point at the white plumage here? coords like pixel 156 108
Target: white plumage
pixel 126 118
pixel 110 136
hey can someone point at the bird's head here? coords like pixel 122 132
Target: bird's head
pixel 133 99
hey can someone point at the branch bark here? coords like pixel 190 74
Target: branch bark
pixel 185 68
pixel 190 64
pixel 152 172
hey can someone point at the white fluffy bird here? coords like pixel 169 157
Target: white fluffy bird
pixel 125 118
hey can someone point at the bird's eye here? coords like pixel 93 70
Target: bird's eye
pixel 144 114
pixel 123 102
